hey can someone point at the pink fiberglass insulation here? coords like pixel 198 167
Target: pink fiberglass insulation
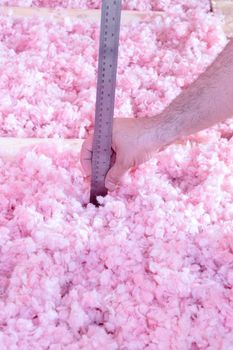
pixel 48 70
pixel 152 268
pixel 141 5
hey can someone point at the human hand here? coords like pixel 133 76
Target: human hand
pixel 133 142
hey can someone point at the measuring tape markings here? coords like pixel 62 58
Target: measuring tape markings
pixel 105 97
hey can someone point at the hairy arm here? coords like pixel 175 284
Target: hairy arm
pixel 207 101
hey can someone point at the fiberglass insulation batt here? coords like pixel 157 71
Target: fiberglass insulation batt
pixel 150 269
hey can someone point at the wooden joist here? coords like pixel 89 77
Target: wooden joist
pixel 224 7
pixel 220 6
pixel 10 146
pixel 90 15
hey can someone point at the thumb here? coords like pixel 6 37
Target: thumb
pixel 114 176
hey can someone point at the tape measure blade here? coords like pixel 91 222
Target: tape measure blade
pixel 105 96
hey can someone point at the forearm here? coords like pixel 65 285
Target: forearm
pixel 207 101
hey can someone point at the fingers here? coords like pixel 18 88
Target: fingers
pixel 114 175
pixel 86 155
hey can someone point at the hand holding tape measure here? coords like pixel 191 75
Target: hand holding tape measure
pixel 105 97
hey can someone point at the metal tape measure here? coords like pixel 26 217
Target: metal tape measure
pixel 105 98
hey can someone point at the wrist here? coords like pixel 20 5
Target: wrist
pixel 160 131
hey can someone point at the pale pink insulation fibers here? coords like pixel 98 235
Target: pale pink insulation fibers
pixel 152 268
